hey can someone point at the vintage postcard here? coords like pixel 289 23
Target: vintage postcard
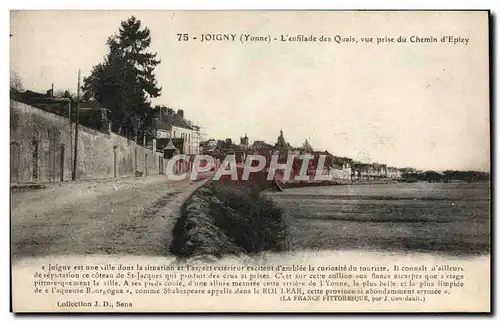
pixel 250 161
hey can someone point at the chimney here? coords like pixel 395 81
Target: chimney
pixel 180 113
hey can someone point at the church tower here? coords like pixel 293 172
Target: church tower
pixel 281 143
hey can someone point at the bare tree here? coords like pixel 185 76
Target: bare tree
pixel 16 82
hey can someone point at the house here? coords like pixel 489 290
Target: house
pixel 393 173
pixel 261 145
pixel 262 148
pixel 169 124
pixel 378 171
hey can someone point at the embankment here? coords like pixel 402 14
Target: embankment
pixel 228 218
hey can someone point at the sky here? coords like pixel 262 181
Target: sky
pixel 421 105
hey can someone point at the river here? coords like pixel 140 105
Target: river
pixel 442 218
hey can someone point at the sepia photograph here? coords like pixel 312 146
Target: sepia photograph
pixel 250 161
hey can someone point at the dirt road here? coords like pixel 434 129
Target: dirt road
pixel 132 216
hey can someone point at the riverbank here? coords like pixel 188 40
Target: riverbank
pixel 449 219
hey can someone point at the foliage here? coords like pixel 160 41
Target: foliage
pixel 125 81
pixel 65 94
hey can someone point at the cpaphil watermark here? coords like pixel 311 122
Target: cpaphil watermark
pixel 305 167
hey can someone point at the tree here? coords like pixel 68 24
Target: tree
pixel 65 94
pixel 125 81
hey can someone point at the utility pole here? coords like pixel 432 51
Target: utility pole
pixel 76 127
